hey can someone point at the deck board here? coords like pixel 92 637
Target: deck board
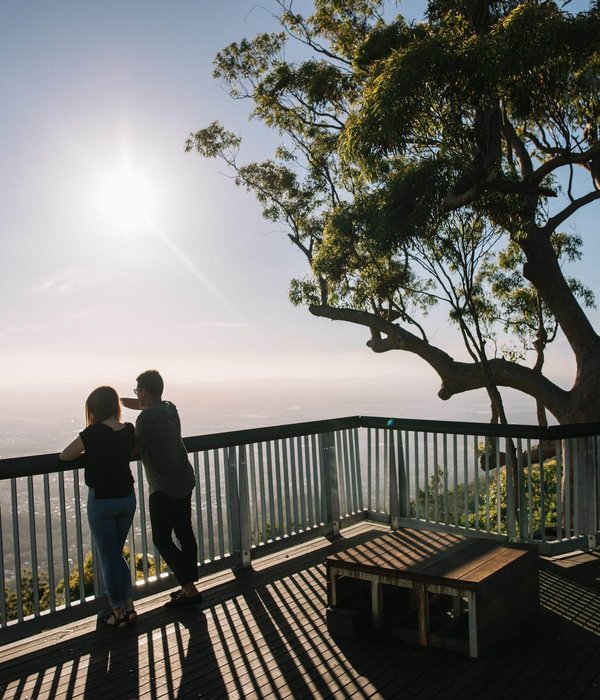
pixel 262 634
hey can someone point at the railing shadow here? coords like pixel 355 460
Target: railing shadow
pixel 264 634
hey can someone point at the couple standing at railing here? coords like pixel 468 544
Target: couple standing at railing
pixel 107 444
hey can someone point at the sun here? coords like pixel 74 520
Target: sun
pixel 126 198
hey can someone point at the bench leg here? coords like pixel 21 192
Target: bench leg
pixel 376 611
pixel 332 587
pixel 471 602
pixel 422 614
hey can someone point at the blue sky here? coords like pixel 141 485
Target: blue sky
pixel 198 285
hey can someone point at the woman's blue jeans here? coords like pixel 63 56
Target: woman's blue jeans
pixel 110 520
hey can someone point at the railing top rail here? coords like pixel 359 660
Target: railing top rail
pixel 274 432
pixel 49 463
pixel 537 432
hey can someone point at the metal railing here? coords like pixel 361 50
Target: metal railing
pixel 269 488
pixel 522 483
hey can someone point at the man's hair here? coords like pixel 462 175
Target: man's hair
pixel 152 382
pixel 101 404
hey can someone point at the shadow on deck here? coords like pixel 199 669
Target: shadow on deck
pixel 263 634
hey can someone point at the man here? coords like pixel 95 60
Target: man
pixel 170 483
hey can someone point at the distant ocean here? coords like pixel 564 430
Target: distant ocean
pixel 44 419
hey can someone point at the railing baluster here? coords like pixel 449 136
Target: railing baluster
pixel 466 479
pixel 350 480
pixel 530 495
pixel 407 464
pixel 302 482
pixel 141 511
pixel 417 478
pixel 445 473
pixel 402 479
pixel 222 485
pixel 49 544
pixel 436 479
pixel 488 526
pixel 79 533
pixel 209 507
pixel 455 466
pixel 370 474
pixel 284 471
pixel 243 493
pixel 270 479
pixel 318 516
pixel 357 504
pixel 3 587
pixel 340 474
pixel 521 490
pixel 254 495
pixel 33 546
pixel 266 500
pixel 17 547
pixel 279 489
pixel 426 484
pixel 542 491
pixel 498 492
pixel 64 538
pixel 560 514
pixel 476 480
pixel 302 452
pixel 198 494
pixel 377 474
pixel 394 507
pixel 511 486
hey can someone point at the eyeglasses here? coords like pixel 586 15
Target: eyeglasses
pixel 137 391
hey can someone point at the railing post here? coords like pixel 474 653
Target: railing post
pixel 587 490
pixel 394 494
pixel 522 496
pixel 404 505
pixel 329 482
pixel 511 520
pixel 239 504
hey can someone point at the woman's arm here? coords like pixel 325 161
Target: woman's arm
pixel 72 451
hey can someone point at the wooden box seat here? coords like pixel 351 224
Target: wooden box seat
pixel 436 588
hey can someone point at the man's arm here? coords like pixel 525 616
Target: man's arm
pixel 131 403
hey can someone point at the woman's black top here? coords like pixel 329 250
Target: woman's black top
pixel 106 459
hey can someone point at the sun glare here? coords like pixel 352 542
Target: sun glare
pixel 126 199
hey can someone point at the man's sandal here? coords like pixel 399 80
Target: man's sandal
pixel 130 616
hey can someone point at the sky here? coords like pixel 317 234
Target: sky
pixel 99 98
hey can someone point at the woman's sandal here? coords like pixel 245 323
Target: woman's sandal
pixel 115 622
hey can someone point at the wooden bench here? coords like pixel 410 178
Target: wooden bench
pixel 438 589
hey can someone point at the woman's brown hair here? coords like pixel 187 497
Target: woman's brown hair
pixel 101 404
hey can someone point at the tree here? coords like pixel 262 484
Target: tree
pixel 30 591
pixel 404 143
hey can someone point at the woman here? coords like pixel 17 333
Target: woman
pixel 107 444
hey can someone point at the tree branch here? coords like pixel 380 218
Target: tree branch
pixel 553 223
pixel 457 377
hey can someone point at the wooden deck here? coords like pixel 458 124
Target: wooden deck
pixel 263 635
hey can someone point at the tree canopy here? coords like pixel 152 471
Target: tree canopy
pixel 434 162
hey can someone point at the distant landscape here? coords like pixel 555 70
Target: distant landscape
pixel 44 419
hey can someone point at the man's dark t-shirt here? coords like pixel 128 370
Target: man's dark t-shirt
pixel 158 432
pixel 106 459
